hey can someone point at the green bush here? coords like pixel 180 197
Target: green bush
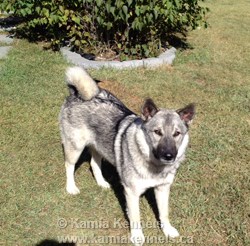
pixel 130 28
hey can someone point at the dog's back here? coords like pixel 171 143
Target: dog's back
pixel 90 114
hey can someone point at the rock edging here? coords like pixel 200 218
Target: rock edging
pixel 4 50
pixel 165 58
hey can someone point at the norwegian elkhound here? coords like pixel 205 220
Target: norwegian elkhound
pixel 146 151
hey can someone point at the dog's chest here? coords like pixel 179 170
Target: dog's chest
pixel 145 183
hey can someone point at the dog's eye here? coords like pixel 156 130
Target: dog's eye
pixel 176 134
pixel 158 132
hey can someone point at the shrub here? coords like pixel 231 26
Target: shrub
pixel 130 28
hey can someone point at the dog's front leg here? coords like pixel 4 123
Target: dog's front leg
pixel 162 199
pixel 133 210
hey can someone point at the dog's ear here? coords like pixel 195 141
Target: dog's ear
pixel 149 109
pixel 187 113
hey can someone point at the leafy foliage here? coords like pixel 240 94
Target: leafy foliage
pixel 130 28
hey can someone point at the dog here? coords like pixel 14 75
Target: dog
pixel 146 150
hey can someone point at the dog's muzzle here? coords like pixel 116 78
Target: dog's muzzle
pixel 165 155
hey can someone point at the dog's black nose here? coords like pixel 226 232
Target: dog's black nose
pixel 168 157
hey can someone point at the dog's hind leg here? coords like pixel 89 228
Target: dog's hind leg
pixel 72 155
pixel 96 164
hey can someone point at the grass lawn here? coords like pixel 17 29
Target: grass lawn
pixel 210 199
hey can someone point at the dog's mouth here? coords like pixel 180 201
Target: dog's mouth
pixel 167 162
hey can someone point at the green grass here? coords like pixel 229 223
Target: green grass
pixel 210 199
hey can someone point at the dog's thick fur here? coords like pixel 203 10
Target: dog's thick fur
pixel 146 151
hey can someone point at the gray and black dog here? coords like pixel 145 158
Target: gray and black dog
pixel 146 151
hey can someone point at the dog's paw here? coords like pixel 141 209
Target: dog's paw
pixel 170 231
pixel 137 237
pixel 104 184
pixel 72 189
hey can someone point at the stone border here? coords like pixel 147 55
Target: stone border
pixel 5 47
pixel 4 50
pixel 165 58
pixel 5 39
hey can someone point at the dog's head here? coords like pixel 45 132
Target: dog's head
pixel 165 130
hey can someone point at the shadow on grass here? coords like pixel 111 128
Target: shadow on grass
pixel 84 157
pixel 48 242
pixel 150 196
pixel 179 42
pixel 110 174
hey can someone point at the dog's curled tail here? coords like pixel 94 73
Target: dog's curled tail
pixel 81 80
